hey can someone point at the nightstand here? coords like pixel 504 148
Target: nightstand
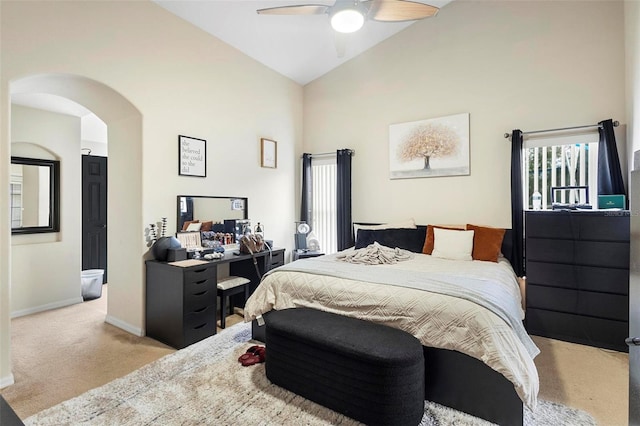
pixel 304 254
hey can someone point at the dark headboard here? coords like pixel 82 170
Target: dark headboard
pixel 507 243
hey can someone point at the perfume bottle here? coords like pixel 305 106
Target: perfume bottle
pixel 536 199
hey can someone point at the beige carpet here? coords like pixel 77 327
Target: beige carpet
pixel 204 384
pixel 62 353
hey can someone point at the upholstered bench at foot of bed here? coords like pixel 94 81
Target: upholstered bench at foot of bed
pixel 369 372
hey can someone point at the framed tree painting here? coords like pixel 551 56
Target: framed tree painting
pixel 429 148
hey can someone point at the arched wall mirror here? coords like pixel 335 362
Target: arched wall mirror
pixel 35 195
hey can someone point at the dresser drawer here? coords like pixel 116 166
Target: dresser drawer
pixel 578 329
pixel 592 253
pixel 583 226
pixel 609 280
pixel 603 253
pixel 604 228
pixel 553 225
pixel 602 305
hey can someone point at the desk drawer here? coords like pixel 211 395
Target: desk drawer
pixel 200 273
pixel 199 299
pixel 277 259
pixel 199 286
pixel 199 325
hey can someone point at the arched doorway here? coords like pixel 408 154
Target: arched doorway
pixel 124 121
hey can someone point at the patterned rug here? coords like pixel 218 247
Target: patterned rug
pixel 204 384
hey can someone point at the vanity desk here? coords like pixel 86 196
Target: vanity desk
pixel 181 300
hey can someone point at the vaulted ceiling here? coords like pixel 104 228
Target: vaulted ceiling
pixel 302 48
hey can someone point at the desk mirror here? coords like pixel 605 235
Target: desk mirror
pixel 35 195
pixel 210 208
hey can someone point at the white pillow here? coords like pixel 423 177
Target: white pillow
pixel 193 227
pixel 455 245
pixel 405 224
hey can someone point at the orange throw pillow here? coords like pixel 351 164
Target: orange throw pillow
pixel 487 242
pixel 429 240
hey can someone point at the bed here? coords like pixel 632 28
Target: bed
pixel 467 314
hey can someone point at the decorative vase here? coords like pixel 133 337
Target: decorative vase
pixel 161 248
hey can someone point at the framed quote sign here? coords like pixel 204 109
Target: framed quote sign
pixel 192 159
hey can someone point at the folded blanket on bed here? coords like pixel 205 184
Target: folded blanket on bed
pixel 375 254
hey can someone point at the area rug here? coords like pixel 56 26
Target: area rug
pixel 204 384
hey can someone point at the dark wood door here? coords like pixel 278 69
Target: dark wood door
pixel 94 213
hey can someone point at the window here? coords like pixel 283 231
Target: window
pixel 16 204
pixel 559 161
pixel 323 215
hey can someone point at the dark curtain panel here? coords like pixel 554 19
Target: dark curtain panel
pixel 517 212
pixel 609 173
pixel 306 205
pixel 344 225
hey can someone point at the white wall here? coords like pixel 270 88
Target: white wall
pixel 94 135
pixel 45 268
pixel 527 64
pixel 182 81
pixel 632 45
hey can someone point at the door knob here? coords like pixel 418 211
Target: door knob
pixel 632 341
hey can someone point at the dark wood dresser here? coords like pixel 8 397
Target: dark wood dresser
pixel 577 268
pixel 181 297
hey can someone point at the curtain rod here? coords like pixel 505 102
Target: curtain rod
pixel 327 154
pixel 508 135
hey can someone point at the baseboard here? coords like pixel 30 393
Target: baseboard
pixel 47 307
pixel 6 381
pixel 124 325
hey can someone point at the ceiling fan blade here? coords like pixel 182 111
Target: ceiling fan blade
pixel 399 10
pixel 305 9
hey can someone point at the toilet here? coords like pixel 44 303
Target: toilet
pixel 91 283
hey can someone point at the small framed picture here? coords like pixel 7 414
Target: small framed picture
pixel 268 153
pixel 237 204
pixel 192 159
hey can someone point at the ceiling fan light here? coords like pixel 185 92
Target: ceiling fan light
pixel 347 20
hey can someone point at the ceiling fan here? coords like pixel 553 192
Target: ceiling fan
pixel 348 16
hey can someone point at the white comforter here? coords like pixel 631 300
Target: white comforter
pixel 436 319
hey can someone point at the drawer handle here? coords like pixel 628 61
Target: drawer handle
pixel 201 293
pixel 200 282
pixel 197 311
pixel 200 326
pixel 198 271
